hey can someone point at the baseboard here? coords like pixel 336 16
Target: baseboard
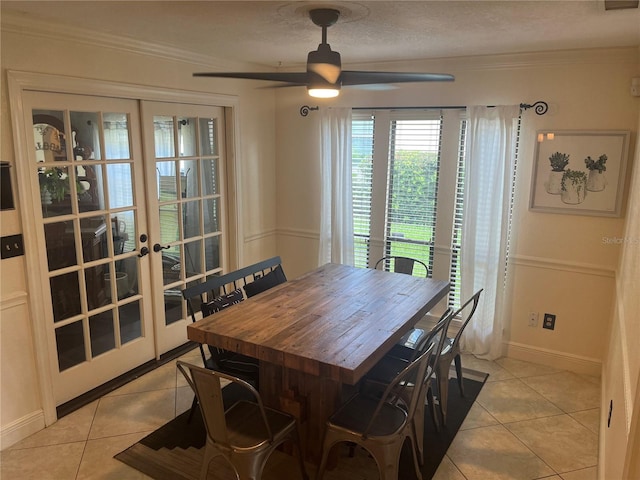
pixel 564 361
pixel 21 428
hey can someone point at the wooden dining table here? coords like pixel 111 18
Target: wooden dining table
pixel 316 336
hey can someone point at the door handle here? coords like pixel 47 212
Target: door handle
pixel 157 247
pixel 144 251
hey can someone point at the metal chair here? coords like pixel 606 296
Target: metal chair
pixel 399 264
pixel 406 265
pixel 450 352
pixel 387 368
pixel 245 434
pixel 381 425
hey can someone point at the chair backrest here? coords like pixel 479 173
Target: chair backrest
pixel 207 386
pixel 217 286
pixel 468 308
pixel 401 264
pixel 417 372
pixel 222 291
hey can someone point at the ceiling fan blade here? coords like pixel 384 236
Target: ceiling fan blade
pixel 329 72
pixel 289 77
pixel 350 77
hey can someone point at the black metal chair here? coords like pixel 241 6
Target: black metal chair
pixel 223 291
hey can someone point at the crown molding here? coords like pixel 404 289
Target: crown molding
pixel 513 61
pixel 50 31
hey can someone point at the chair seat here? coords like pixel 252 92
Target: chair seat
pixel 354 416
pixel 246 429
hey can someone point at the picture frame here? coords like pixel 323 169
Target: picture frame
pixel 579 172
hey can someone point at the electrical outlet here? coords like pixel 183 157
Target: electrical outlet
pixel 533 319
pixel 549 321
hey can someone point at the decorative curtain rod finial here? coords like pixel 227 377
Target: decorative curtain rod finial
pixel 539 107
pixel 305 109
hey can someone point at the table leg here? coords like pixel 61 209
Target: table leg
pixel 311 399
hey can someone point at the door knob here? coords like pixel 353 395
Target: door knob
pixel 157 247
pixel 144 251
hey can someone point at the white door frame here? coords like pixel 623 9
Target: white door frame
pixel 19 82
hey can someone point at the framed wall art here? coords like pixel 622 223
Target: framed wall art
pixel 579 172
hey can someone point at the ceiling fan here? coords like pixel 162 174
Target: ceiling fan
pixel 324 75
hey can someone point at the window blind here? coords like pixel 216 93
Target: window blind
pixel 414 160
pixel 362 181
pixel 456 240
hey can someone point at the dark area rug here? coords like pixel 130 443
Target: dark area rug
pixel 173 452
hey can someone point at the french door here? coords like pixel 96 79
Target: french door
pixel 185 184
pixel 122 233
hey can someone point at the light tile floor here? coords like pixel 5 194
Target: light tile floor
pixel 529 422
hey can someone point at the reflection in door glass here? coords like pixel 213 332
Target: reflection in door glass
pixel 169 226
pixel 90 187
pixel 65 296
pixel 172 306
pixel 55 191
pixel 163 136
pixel 49 136
pixel 123 230
pixel 212 252
pixel 102 333
pixel 130 322
pixel 60 240
pixel 93 231
pixel 210 177
pixel 187 136
pixel 85 135
pixel 193 258
pixel 189 178
pixel 191 219
pixel 98 292
pixel 171 264
pixel 167 182
pixel 120 185
pixel 208 143
pixel 211 215
pixel 70 345
pixel 116 136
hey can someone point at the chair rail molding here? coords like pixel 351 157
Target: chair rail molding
pixel 563 265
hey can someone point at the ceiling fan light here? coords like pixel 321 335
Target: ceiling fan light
pixel 323 92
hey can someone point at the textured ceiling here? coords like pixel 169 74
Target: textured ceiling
pixel 280 33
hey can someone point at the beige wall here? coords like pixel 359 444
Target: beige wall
pixel 557 259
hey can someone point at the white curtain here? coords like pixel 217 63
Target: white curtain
pixel 489 162
pixel 336 211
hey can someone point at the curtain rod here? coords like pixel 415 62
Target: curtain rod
pixel 540 107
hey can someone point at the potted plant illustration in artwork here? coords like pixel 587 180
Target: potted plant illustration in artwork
pixel 558 163
pixel 597 180
pixel 573 187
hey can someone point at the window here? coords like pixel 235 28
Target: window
pixel 408 180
